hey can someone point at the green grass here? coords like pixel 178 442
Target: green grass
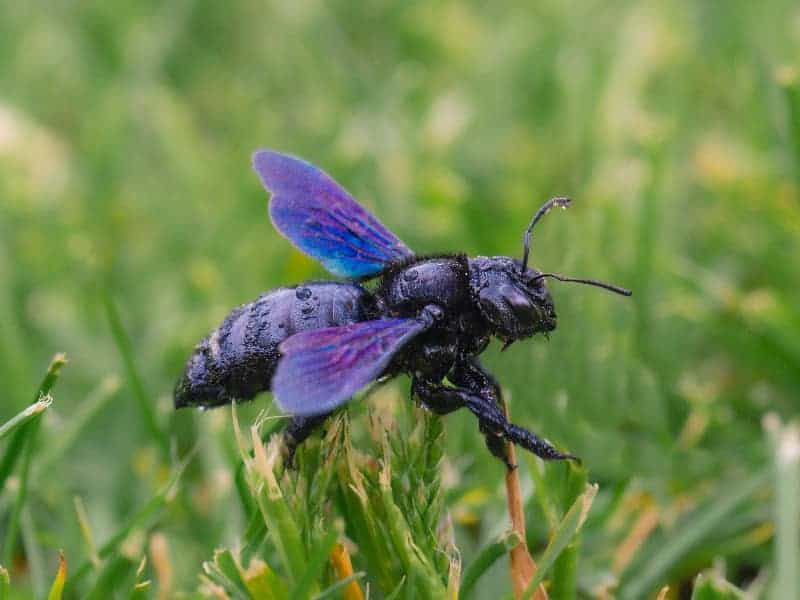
pixel 130 223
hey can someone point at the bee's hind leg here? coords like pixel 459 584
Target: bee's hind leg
pixel 443 399
pixel 497 446
pixel 297 431
pixel 485 403
pixel 493 421
pixel 470 374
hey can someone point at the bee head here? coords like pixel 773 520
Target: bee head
pixel 514 302
pixel 513 297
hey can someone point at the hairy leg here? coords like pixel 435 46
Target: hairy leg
pixel 491 416
pixel 469 373
pixel 297 431
pixel 444 403
pixel 443 399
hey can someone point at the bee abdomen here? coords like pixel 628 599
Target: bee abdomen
pixel 231 363
pixel 238 360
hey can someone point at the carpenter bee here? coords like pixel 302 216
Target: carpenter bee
pixel 316 344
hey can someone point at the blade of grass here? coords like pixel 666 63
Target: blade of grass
pixel 486 557
pixel 565 569
pixel 141 396
pixel 786 450
pixel 341 584
pixel 79 420
pixel 5 583
pixel 263 583
pixel 415 564
pixel 13 452
pixel 33 554
pixel 642 576
pixel 57 589
pixel 138 519
pixel 523 567
pixel 231 590
pixel 712 587
pixel 565 533
pixel 86 531
pixel 26 415
pixel 243 492
pixel 51 376
pixel 317 561
pixel 541 492
pixel 362 521
pixel 10 542
pixel 227 565
pixel 111 578
pixel 401 586
pixel 788 81
pixel 14 449
pixel 141 591
pixel 27 435
pixel 343 566
pixel 276 512
pixel 253 537
pixel 454 577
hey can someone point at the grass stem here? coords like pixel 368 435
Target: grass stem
pixel 24 440
pixel 523 567
pixel 141 396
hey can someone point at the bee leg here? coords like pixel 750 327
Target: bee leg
pixel 443 399
pixel 435 396
pixel 492 419
pixel 297 431
pixel 497 446
pixel 470 373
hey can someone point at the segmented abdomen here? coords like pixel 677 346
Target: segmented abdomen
pixel 238 360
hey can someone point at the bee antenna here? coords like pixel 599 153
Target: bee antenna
pixel 601 284
pixel 526 244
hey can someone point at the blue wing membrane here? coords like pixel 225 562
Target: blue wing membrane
pixel 319 217
pixel 322 368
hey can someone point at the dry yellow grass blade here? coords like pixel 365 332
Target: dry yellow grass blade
pixel 340 558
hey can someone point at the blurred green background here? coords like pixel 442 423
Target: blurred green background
pixel 126 130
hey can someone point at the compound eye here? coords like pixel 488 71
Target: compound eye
pixel 520 305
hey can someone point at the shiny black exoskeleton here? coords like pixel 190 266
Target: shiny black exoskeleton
pixel 459 304
pixel 472 298
pixel 238 360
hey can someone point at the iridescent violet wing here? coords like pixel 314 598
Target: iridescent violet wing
pixel 322 368
pixel 315 213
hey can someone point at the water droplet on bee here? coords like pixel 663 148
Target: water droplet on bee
pixel 303 293
pixel 411 275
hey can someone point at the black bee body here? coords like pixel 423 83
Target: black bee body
pixel 315 345
pixel 238 359
pixel 442 282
